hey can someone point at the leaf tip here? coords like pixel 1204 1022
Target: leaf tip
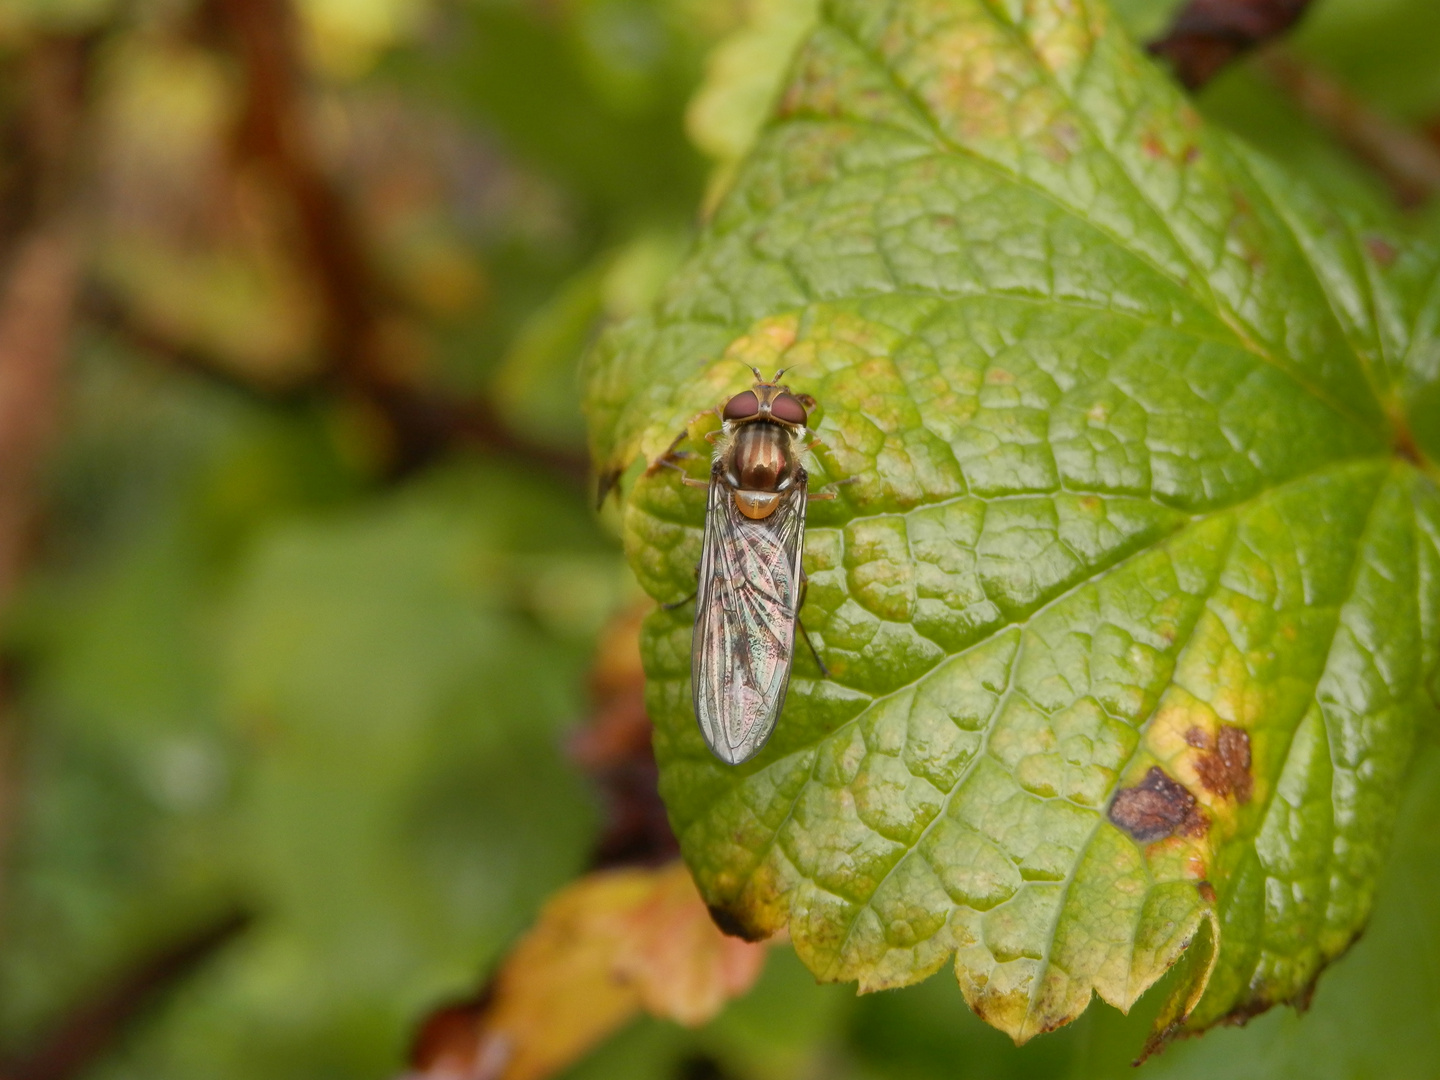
pixel 737 923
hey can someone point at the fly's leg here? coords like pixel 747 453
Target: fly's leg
pixel 804 587
pixel 673 604
pixel 824 671
pixel 673 452
pixel 828 491
pixel 684 477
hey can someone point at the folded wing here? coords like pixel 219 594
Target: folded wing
pixel 745 619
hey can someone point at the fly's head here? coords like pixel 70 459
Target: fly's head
pixel 763 433
pixel 768 400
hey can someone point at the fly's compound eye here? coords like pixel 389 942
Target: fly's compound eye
pixel 787 407
pixel 742 406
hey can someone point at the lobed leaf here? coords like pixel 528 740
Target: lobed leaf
pixel 1131 609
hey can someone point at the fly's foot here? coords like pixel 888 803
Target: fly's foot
pixel 669 463
pixel 673 452
pixel 673 604
pixel 824 671
pixel 828 492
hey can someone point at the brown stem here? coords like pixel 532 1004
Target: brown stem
pixel 40 251
pixel 1206 35
pixel 105 310
pixel 273 129
pixel 1407 161
pixel 39 280
pixel 363 356
pixel 36 308
pixel 92 1028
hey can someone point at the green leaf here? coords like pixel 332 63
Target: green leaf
pixel 1131 608
pixel 743 75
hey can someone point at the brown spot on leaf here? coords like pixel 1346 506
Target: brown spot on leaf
pixel 1406 448
pixel 1224 765
pixel 1207 892
pixel 450 1036
pixel 1382 251
pixel 735 924
pixel 1057 152
pixel 1157 807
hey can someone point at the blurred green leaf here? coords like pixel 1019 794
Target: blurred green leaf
pixel 743 75
pixel 1146 19
pixel 1127 609
pixel 787 1026
pixel 538 382
pixel 593 100
pixel 19 17
pixel 406 707
pixel 1380 50
pixel 349 718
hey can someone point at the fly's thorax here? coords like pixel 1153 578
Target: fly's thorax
pixel 761 456
pixel 759 460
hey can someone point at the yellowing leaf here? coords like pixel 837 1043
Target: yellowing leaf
pixel 1129 608
pixel 605 947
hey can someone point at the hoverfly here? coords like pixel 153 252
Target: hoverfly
pixel 751 585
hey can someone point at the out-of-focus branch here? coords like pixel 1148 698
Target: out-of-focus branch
pixel 363 356
pixel 36 308
pixel 1407 161
pixel 1206 35
pixel 274 130
pixel 104 310
pixel 39 276
pixel 449 422
pixel 94 1026
pixel 41 128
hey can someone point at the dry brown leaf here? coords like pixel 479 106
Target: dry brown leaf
pixel 604 947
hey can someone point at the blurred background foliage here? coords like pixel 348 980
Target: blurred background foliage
pixel 304 595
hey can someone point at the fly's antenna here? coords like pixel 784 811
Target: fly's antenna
pixel 756 372
pixel 801 362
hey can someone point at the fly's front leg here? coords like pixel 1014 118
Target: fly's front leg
pixel 673 453
pixel 827 492
pixel 685 478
